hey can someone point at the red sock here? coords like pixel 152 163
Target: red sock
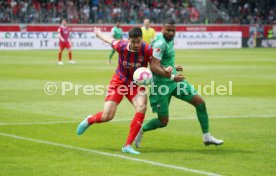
pixel 70 55
pixel 59 56
pixel 135 127
pixel 95 118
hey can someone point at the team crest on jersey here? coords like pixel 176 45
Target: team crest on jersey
pixel 158 106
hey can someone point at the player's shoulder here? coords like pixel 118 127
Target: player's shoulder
pixel 124 41
pixel 159 40
pixel 152 29
pixel 145 45
pixel 120 42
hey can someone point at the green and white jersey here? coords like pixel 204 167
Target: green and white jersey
pixel 164 88
pixel 164 51
pixel 117 33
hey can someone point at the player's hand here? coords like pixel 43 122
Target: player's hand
pixel 179 68
pixel 179 77
pixel 169 69
pixel 98 32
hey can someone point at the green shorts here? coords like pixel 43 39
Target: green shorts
pixel 160 102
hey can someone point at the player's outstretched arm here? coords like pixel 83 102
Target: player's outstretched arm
pixel 104 38
pixel 158 69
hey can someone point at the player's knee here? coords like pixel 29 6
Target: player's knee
pixel 141 108
pixel 163 125
pixel 198 101
pixel 164 121
pixel 107 116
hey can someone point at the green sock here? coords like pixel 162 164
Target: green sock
pixel 202 116
pixel 152 125
pixel 111 54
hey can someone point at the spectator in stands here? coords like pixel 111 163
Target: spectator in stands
pixel 134 11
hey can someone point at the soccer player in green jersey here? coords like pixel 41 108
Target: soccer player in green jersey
pixel 117 34
pixel 165 74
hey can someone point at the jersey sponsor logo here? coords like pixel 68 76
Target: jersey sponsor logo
pixel 131 64
pixel 65 31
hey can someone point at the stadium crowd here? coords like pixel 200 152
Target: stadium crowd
pixel 134 11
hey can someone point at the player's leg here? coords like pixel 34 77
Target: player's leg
pixel 140 104
pixel 68 46
pixel 112 100
pixel 61 48
pixel 162 109
pixel 201 112
pixel 104 116
pixel 110 56
pixel 202 116
pixel 138 99
pixel 186 92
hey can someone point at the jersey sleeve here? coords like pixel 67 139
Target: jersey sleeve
pixel 117 44
pixel 159 48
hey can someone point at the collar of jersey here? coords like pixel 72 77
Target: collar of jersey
pixel 129 49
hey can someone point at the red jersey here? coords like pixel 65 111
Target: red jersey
pixel 129 61
pixel 64 32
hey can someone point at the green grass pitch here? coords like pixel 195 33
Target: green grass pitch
pixel 246 120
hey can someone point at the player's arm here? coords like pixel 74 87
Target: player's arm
pixel 122 34
pixel 104 38
pixel 155 65
pixel 70 39
pixel 160 70
pixel 59 35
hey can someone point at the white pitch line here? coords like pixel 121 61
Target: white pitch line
pixel 38 123
pixel 112 155
pixel 126 120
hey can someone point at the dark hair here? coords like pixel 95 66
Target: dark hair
pixel 135 32
pixel 169 20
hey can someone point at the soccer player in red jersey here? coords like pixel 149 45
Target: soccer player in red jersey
pixel 64 42
pixel 133 53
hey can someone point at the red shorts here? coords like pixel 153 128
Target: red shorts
pixel 63 45
pixel 117 90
